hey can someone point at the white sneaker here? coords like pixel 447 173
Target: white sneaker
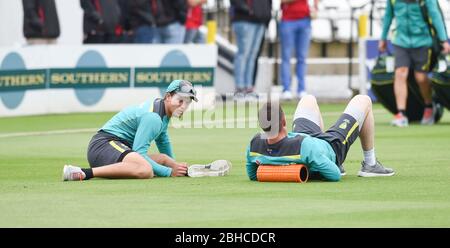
pixel 251 97
pixel 239 97
pixel 287 96
pixel 73 173
pixel 215 169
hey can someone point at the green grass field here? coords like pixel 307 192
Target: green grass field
pixel 33 195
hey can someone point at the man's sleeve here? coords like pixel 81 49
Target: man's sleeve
pixel 327 168
pixel 437 19
pixel 148 130
pixel 251 167
pixel 387 20
pixel 164 145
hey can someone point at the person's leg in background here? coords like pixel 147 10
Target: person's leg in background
pixel 421 66
pixel 256 63
pixel 144 34
pixel 199 37
pixel 256 34
pixel 157 36
pixel 425 90
pixel 189 36
pixel 240 31
pixel 193 35
pixel 402 63
pixel 173 33
pixel 302 43
pixel 401 96
pixel 287 38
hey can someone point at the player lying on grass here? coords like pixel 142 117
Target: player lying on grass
pixel 322 152
pixel 119 149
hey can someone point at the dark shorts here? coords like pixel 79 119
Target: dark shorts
pixel 340 136
pixel 105 149
pixel 416 58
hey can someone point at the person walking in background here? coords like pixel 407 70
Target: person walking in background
pixel 101 21
pixel 170 18
pixel 412 42
pixel 40 21
pixel 295 34
pixel 193 22
pixel 249 19
pixel 141 24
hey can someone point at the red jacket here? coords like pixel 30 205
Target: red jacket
pixel 295 10
pixel 194 17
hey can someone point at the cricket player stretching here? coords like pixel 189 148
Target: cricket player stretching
pixel 322 152
pixel 119 149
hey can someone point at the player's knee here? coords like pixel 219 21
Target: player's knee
pixel 364 99
pixel 144 172
pixel 422 80
pixel 401 72
pixel 309 98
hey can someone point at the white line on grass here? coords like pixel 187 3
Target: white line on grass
pixel 178 124
pixel 50 132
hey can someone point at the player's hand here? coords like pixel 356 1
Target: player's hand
pixel 179 169
pixel 382 46
pixel 445 48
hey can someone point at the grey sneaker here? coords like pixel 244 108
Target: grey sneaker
pixel 72 173
pixel 376 170
pixel 215 169
pixel 342 170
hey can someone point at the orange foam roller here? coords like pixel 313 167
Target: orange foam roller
pixel 282 173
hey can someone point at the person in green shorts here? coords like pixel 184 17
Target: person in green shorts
pixel 412 49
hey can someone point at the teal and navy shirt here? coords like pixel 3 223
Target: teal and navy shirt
pixel 296 148
pixel 411 30
pixel 139 126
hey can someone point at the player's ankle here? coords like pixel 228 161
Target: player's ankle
pixel 401 113
pixel 88 173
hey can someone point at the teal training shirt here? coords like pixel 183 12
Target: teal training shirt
pixel 296 148
pixel 139 126
pixel 411 30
